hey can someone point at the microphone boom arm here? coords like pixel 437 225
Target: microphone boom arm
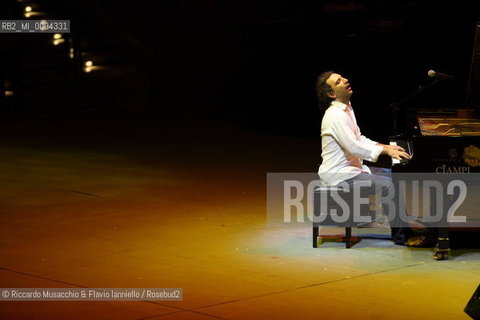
pixel 397 106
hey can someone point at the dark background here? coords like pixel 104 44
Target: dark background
pixel 245 62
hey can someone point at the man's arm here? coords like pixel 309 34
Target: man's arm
pixel 364 139
pixel 341 130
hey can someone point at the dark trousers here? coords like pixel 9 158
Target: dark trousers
pixel 381 181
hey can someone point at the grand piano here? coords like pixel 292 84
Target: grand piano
pixel 443 142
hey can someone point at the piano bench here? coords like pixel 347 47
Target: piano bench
pixel 326 193
pixel 347 238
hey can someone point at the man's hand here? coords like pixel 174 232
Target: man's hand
pixel 396 152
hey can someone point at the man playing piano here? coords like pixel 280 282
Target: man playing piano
pixel 344 148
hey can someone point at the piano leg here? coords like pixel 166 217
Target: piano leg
pixel 442 249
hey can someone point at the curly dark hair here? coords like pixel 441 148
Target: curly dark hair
pixel 323 89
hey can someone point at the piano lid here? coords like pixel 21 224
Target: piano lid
pixel 473 87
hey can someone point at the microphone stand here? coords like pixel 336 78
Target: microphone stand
pixel 396 107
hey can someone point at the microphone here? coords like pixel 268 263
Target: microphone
pixel 435 74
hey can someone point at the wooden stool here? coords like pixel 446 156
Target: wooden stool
pixel 326 194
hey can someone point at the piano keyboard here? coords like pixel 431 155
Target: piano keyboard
pixel 394 161
pixel 405 145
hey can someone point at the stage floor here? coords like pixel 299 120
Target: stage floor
pixel 116 199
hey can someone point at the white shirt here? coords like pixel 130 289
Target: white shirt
pixel 343 146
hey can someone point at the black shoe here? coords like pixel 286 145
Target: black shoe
pixel 401 235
